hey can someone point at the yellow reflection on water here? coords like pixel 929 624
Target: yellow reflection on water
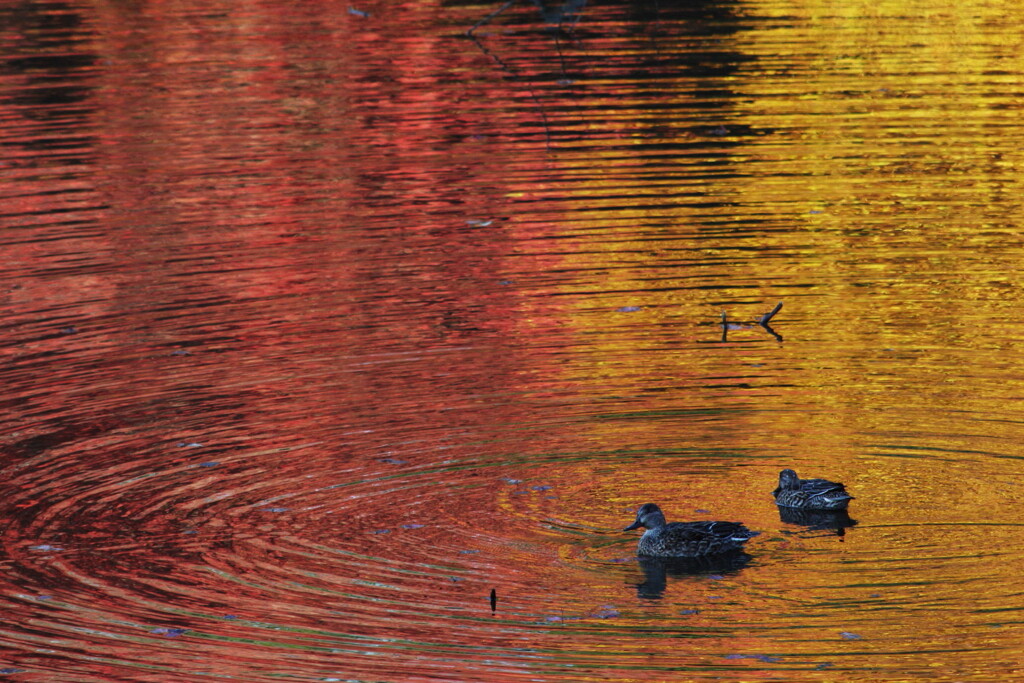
pixel 881 204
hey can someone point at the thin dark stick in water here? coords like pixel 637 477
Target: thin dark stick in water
pixel 489 17
pixel 494 600
pixel 770 314
pixel 512 73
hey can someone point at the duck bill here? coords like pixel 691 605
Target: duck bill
pixel 634 525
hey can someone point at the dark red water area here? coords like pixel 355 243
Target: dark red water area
pixel 320 322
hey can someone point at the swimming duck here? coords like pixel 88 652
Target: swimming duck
pixel 685 539
pixel 810 494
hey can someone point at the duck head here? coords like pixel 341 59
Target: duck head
pixel 788 480
pixel 648 516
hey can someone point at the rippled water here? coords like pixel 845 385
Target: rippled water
pixel 321 322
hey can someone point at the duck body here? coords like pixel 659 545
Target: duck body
pixel 810 494
pixel 686 539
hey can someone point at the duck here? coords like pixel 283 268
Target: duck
pixel 686 539
pixel 810 494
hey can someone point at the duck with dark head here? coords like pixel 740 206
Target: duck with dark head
pixel 686 539
pixel 810 494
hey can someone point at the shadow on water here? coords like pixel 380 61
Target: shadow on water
pixel 559 15
pixel 565 52
pixel 657 570
pixel 49 83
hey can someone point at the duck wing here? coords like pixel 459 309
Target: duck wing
pixel 726 532
pixel 693 539
pixel 818 487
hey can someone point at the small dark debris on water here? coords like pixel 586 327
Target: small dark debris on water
pixel 539 488
pixel 275 509
pixel 412 526
pixel 494 600
pixel 702 511
pixel 687 612
pixel 358 12
pixel 559 619
pixel 210 463
pixel 628 309
pixel 393 461
pixel 849 636
pixel 378 532
pixel 760 658
pixel 71 329
pixel 468 552
pixel 169 632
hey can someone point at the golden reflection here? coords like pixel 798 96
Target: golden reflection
pixel 882 207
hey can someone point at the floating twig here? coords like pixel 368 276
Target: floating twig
pixel 490 16
pixel 763 322
pixel 769 330
pixel 494 600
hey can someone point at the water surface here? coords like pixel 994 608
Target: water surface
pixel 321 322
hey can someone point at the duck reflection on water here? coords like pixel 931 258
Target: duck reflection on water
pixel 657 569
pixel 819 520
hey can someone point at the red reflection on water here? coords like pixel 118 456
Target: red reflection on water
pixel 285 283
